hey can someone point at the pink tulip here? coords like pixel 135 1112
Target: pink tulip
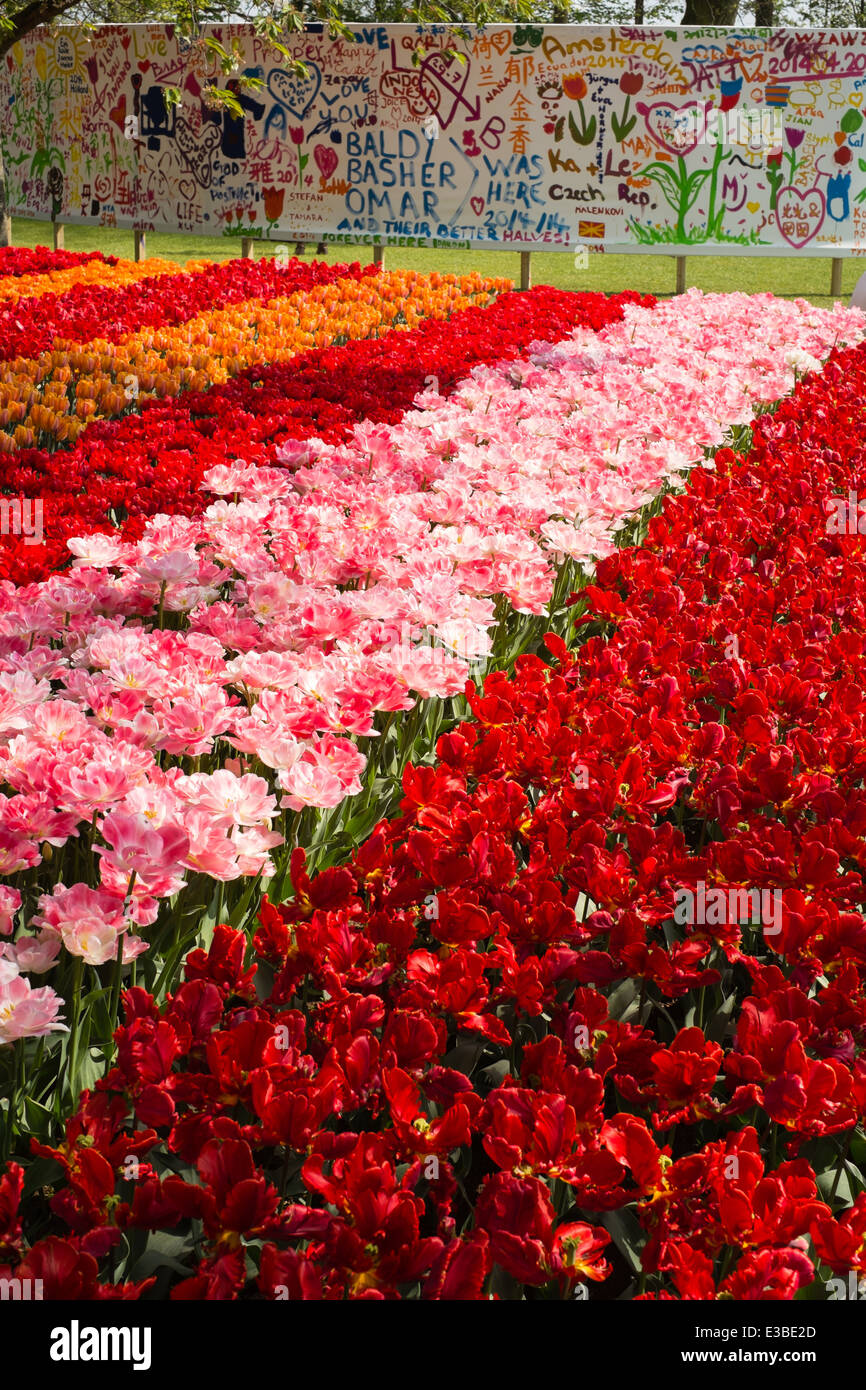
pixel 10 901
pixel 136 846
pixel 36 953
pixel 28 1013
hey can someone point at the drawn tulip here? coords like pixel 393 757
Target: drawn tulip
pixel 775 176
pixel 575 87
pixel 795 137
pixel 622 126
pixel 274 200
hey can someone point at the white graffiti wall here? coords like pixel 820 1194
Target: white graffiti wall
pixel 549 137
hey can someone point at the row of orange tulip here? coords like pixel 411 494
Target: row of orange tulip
pixel 90 273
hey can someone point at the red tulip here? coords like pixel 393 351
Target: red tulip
pixel 274 200
pixel 631 83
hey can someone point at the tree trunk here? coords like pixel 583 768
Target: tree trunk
pixel 708 13
pixel 764 16
pixel 30 17
pixel 5 219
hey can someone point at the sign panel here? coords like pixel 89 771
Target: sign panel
pixel 543 137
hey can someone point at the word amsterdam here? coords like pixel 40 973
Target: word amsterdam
pixel 76 1343
pixel 702 906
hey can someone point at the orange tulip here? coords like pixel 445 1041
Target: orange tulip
pixel 117 276
pixel 574 86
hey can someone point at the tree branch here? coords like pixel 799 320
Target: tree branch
pixel 36 13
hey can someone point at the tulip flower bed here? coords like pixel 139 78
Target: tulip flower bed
pixel 104 305
pixel 473 1051
pixel 53 395
pixel 482 1058
pixel 119 473
pixel 39 260
pixel 74 294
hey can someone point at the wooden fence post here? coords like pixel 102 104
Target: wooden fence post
pixel 247 251
pixel 379 256
pixel 57 228
pixel 681 274
pixel 836 277
pixel 525 270
pixel 140 246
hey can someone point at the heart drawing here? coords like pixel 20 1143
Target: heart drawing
pixel 296 94
pixel 326 157
pixel 675 129
pixel 799 214
pixel 752 67
pixel 117 114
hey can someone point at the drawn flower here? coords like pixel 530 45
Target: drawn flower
pixel 575 86
pixel 630 83
pixel 274 201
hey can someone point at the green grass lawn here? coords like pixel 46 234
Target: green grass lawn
pixel 785 275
